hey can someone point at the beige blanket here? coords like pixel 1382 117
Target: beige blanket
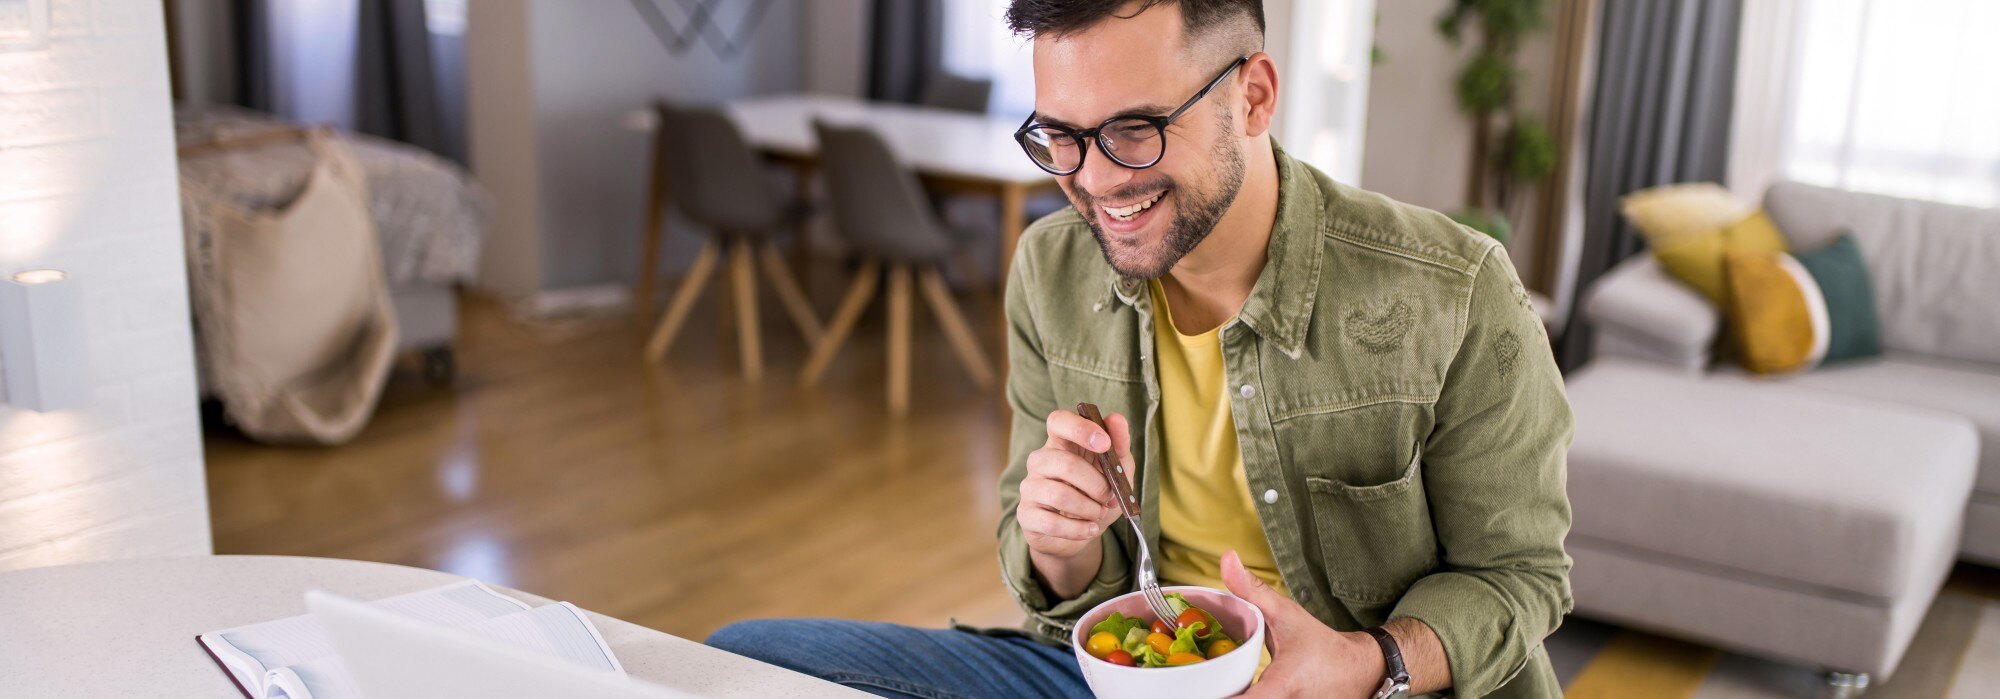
pixel 292 309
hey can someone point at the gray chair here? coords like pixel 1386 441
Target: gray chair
pixel 884 216
pixel 957 92
pixel 719 182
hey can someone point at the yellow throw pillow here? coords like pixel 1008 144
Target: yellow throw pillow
pixel 1675 210
pixel 1697 258
pixel 1776 312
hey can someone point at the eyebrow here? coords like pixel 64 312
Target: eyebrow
pixel 1150 110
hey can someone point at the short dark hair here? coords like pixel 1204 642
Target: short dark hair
pixel 1032 18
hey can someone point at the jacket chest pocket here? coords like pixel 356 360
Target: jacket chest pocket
pixel 1375 539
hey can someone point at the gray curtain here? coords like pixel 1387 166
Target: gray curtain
pixel 395 84
pixel 905 50
pixel 249 20
pixel 1660 109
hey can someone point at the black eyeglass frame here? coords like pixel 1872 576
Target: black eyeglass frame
pixel 1094 135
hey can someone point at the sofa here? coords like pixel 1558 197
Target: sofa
pixel 1809 518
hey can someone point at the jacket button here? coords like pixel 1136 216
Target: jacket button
pixel 1271 497
pixel 1304 594
pixel 1246 390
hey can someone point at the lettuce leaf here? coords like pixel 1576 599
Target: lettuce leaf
pixel 1118 625
pixel 1184 641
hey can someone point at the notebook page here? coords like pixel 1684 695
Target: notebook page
pixel 325 678
pixel 558 630
pixel 264 646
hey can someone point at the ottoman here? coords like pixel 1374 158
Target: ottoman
pixel 1758 519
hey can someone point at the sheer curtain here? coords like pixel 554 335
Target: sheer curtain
pixel 978 45
pixel 1900 97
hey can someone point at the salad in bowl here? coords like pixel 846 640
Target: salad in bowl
pixel 1210 649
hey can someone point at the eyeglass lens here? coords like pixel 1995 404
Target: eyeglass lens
pixel 1135 143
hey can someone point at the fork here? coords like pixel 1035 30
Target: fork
pixel 1114 474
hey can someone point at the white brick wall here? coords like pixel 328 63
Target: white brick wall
pixel 87 185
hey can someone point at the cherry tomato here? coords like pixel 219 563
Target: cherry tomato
pixel 1120 657
pixel 1162 627
pixel 1184 659
pixel 1100 644
pixel 1192 616
pixel 1160 642
pixel 1220 646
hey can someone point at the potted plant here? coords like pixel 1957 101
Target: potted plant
pixel 1511 151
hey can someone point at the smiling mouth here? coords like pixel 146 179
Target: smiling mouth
pixel 1127 213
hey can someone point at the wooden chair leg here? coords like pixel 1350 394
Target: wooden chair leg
pixel 965 345
pixel 743 275
pixel 677 311
pixel 852 305
pixel 789 294
pixel 655 233
pixel 899 339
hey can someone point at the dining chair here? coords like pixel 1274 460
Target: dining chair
pixel 882 213
pixel 718 182
pixel 957 92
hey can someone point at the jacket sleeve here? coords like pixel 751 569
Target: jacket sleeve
pixel 1030 396
pixel 1494 470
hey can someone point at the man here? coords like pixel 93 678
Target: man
pixel 1339 407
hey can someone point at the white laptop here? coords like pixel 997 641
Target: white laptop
pixel 392 656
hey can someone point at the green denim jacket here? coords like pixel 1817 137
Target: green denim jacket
pixel 1402 422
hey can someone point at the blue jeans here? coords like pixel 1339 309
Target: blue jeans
pixel 900 661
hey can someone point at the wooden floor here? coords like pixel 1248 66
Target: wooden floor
pixel 674 496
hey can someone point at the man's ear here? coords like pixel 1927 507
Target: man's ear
pixel 1260 94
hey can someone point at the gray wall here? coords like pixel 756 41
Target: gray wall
pixel 574 219
pixel 1418 143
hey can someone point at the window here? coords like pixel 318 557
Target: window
pixel 1899 97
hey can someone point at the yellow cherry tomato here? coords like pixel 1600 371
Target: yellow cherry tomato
pixel 1100 644
pixel 1184 659
pixel 1220 646
pixel 1160 642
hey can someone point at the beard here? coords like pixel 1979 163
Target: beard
pixel 1196 211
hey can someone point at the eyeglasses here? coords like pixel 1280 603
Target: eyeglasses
pixel 1135 141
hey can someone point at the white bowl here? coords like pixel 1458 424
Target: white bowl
pixel 1217 678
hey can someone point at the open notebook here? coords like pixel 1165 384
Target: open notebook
pixel 293 658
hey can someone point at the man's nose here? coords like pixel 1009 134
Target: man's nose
pixel 1100 176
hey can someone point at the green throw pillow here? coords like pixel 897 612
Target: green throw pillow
pixel 1850 300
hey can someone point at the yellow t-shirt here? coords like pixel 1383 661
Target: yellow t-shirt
pixel 1205 505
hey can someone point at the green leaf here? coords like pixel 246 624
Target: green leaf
pixel 1485 84
pixel 1492 223
pixel 1184 640
pixel 1135 641
pixel 1527 153
pixel 1117 625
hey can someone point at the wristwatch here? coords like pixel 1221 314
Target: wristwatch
pixel 1396 679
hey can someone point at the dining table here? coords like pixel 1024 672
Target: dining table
pixel 950 151
pixel 126 628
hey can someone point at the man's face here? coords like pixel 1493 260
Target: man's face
pixel 1145 220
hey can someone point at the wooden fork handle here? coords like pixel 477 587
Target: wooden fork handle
pixel 1107 464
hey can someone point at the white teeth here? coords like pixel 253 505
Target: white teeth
pixel 1127 212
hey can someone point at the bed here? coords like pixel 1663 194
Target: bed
pixel 430 215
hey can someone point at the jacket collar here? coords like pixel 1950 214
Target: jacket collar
pixel 1280 307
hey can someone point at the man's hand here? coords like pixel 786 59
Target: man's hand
pixel 1065 503
pixel 1308 658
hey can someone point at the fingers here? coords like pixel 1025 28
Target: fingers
pixel 1278 609
pixel 1068 428
pixel 1062 498
pixel 1037 521
pixel 1067 467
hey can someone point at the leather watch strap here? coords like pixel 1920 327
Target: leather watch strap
pixel 1396 678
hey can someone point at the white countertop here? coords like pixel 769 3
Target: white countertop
pixel 127 628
